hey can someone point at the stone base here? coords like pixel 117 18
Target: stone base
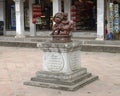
pixel 61 38
pixel 62 81
pixel 20 36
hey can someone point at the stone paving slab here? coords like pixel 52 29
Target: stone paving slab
pixel 18 65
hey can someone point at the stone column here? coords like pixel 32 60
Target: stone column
pixel 2 10
pixel 32 26
pixel 19 8
pixel 2 14
pixel 100 20
pixel 67 9
pixel 56 6
pixel 108 14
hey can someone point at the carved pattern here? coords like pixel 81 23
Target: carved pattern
pixel 54 62
pixel 75 61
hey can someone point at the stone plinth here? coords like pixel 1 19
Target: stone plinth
pixel 61 57
pixel 61 38
pixel 61 67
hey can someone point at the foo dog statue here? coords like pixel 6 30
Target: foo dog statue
pixel 62 28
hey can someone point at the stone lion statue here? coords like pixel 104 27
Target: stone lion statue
pixel 62 25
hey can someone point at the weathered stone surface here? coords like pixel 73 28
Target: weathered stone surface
pixel 63 76
pixel 67 82
pixel 61 67
pixel 61 57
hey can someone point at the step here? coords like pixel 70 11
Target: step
pixel 64 87
pixel 63 81
pixel 18 44
pixel 60 81
pixel 101 48
pixel 86 45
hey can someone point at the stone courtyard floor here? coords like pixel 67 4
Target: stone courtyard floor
pixel 18 65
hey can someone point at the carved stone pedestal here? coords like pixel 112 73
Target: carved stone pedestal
pixel 61 68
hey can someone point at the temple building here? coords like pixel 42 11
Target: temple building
pixel 23 18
